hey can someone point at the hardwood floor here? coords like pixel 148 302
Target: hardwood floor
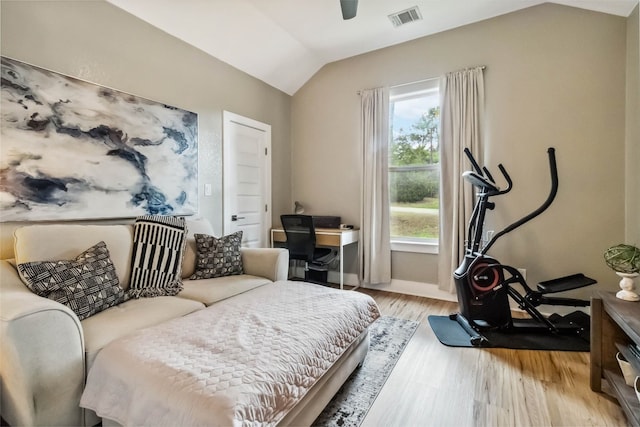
pixel 435 385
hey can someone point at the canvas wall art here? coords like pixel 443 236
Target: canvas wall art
pixel 71 149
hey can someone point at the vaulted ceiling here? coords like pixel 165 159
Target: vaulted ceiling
pixel 285 42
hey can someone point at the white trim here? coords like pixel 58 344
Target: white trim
pixel 419 289
pixel 228 118
pixel 400 91
pixel 422 89
pixel 429 290
pixel 416 247
pixel 407 287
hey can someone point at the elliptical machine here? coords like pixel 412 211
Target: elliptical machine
pixel 484 285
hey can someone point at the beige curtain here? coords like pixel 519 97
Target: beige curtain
pixel 375 246
pixel 462 109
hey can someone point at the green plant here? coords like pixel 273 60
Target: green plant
pixel 623 258
pixel 412 186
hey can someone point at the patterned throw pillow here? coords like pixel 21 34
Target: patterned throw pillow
pixel 158 249
pixel 218 257
pixel 87 284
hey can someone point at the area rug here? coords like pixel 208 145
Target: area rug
pixel 450 333
pixel 388 338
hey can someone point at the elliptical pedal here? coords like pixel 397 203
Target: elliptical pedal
pixel 565 283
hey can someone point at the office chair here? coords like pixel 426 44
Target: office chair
pixel 301 243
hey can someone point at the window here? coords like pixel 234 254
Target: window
pixel 414 167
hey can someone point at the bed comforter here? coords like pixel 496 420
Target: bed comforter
pixel 245 361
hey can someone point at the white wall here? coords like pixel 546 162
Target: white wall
pixel 555 76
pixel 97 42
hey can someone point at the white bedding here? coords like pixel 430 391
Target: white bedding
pixel 244 361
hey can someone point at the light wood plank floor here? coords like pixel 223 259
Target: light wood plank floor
pixel 435 385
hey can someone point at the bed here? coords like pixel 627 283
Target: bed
pixel 272 356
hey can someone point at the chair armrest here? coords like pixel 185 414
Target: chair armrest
pixel 42 367
pixel 272 263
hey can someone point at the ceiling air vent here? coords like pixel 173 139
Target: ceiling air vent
pixel 405 16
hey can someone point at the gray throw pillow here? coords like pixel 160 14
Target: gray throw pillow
pixel 87 285
pixel 218 257
pixel 158 249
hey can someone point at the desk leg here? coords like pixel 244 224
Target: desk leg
pixel 341 267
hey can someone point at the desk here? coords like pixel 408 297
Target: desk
pixel 332 237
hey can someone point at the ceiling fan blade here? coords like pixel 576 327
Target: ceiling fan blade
pixel 349 8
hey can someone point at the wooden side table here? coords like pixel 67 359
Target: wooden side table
pixel 615 324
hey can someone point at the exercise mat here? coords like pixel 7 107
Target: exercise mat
pixel 450 333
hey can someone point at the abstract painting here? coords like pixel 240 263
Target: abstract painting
pixel 71 149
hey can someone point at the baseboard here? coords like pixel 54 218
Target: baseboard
pixel 430 290
pixel 408 287
pixel 419 289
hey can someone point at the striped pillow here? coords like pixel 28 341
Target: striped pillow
pixel 158 249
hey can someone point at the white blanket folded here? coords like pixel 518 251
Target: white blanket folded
pixel 244 361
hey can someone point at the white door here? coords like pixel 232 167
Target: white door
pixel 247 179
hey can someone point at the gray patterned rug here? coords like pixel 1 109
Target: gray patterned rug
pixel 388 338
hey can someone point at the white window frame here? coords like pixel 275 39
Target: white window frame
pixel 401 93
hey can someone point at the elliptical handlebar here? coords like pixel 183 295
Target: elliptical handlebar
pixel 488 174
pixel 476 166
pixel 482 177
pixel 507 178
pixel 553 171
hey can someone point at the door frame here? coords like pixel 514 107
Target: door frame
pixel 228 119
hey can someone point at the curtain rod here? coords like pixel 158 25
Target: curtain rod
pixel 407 84
pixel 423 80
pixel 416 82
